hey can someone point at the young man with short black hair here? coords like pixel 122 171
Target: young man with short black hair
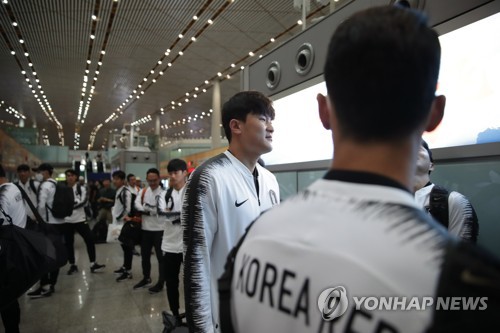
pixel 172 234
pixel 222 197
pixel 30 187
pixel 358 232
pixel 452 209
pixel 45 205
pixel 78 222
pixel 152 225
pixel 120 212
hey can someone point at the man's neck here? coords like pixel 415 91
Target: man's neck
pixel 246 159
pixel 421 181
pixel 3 180
pixel 394 161
pixel 179 187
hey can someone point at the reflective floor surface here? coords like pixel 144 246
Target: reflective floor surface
pixel 95 302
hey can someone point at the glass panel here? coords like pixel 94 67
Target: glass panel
pixel 306 178
pixel 480 183
pixel 287 182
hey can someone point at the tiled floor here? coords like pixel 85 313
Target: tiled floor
pixel 86 302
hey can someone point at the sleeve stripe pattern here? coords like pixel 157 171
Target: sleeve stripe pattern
pixel 194 241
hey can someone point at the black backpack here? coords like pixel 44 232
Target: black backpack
pixel 64 200
pixel 438 208
pixel 25 255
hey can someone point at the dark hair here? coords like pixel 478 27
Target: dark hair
pixel 71 171
pixel 153 170
pixel 176 164
pixel 118 174
pixel 243 103
pixel 381 73
pixel 130 175
pixel 2 172
pixel 426 146
pixel 23 167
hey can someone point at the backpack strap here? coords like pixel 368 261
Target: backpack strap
pixel 438 205
pixel 225 286
pixel 38 217
pixel 46 205
pixel 79 192
pixel 33 187
pixel 168 196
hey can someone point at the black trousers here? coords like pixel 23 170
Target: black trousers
pixel 69 237
pixel 149 240
pixel 51 277
pixel 11 317
pixel 127 256
pixel 171 268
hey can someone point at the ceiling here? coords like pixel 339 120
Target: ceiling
pixel 61 36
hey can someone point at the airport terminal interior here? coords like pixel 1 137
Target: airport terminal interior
pixel 107 85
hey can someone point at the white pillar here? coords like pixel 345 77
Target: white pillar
pixel 157 125
pixel 216 115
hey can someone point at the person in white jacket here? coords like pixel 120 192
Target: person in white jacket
pixel 452 209
pixel 223 196
pixel 172 234
pixel 46 194
pixel 152 225
pixel 11 208
pixel 78 222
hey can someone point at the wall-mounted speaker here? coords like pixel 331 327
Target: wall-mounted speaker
pixel 304 59
pixel 273 75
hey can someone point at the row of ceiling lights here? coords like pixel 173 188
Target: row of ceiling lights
pixel 40 95
pixel 11 110
pixel 180 37
pixel 229 71
pixel 188 120
pixel 139 90
pixel 142 121
pixel 224 74
pixel 82 113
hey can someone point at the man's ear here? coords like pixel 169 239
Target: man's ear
pixel 235 126
pixel 324 110
pixel 436 114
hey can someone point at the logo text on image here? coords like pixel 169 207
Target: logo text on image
pixel 333 302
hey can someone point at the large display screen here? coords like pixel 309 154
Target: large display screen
pixel 469 78
pixel 299 135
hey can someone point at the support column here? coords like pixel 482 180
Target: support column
pixel 157 125
pixel 216 115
